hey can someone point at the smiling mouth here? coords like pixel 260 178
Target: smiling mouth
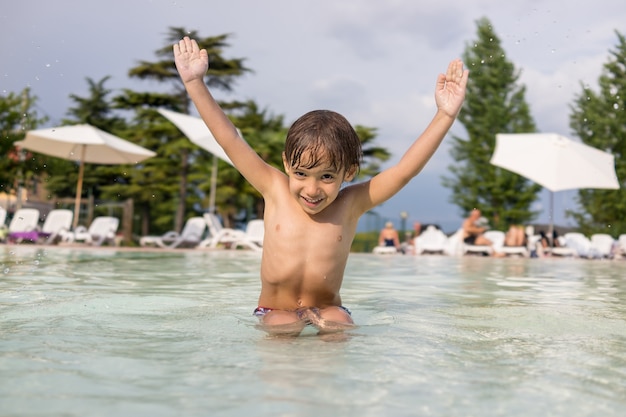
pixel 312 201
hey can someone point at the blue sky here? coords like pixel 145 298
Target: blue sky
pixel 375 62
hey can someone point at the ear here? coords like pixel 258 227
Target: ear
pixel 286 165
pixel 350 173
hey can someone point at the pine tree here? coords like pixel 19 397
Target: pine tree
pixel 494 103
pixel 599 120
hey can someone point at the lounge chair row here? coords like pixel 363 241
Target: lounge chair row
pixel 573 244
pixel 25 227
pixel 194 235
pixel 597 246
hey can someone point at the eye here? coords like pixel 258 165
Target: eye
pixel 328 177
pixel 299 174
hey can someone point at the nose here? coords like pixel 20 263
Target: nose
pixel 311 187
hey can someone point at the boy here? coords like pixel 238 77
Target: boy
pixel 310 221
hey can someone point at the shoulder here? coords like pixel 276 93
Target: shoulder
pixel 357 196
pixel 278 184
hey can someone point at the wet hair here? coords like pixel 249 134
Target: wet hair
pixel 323 136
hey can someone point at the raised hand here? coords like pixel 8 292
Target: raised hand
pixel 191 62
pixel 450 90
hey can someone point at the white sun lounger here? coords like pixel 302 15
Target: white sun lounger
pixel 190 236
pixel 253 236
pixel 24 222
pixel 218 234
pixel 432 240
pixel 497 243
pixel 102 229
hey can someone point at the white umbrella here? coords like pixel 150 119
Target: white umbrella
pixel 197 131
pixel 83 143
pixel 555 162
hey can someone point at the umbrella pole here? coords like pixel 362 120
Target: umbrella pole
pixel 213 186
pixel 79 187
pixel 551 229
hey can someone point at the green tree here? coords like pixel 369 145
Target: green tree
pixel 599 120
pixel 152 185
pixel 178 153
pixel 17 116
pixel 495 103
pixel 373 155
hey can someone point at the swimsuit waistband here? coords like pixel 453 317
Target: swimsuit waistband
pixel 260 311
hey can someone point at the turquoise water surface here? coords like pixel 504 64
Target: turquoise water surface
pixel 105 332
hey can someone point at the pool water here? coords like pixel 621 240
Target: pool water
pixel 106 332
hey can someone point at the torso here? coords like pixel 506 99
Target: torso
pixel 304 257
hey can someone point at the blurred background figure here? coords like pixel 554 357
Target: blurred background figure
pixel 389 237
pixel 515 236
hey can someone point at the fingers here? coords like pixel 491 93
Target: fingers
pixel 464 78
pixel 455 71
pixel 186 45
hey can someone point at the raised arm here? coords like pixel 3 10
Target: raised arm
pixel 449 96
pixel 192 64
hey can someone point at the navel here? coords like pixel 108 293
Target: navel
pixel 339 238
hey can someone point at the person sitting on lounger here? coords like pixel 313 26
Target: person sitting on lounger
pixel 515 236
pixel 473 232
pixel 389 236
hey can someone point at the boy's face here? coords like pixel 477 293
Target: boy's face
pixel 315 188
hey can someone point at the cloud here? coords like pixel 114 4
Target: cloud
pixel 376 30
